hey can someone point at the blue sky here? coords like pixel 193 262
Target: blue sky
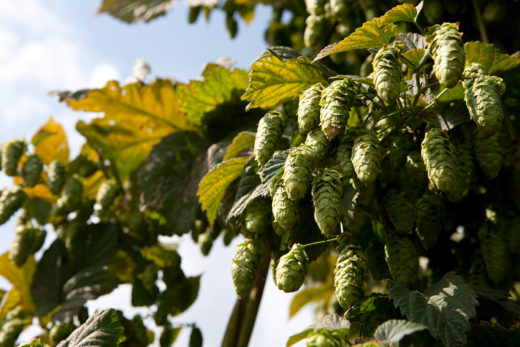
pixel 59 44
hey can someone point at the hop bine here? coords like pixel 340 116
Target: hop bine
pixel 348 276
pixel 327 191
pixel 291 269
pixel 268 134
pixel 309 108
pixel 387 72
pixel 244 265
pixel 335 103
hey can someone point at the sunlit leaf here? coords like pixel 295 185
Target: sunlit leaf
pixel 400 13
pixel 310 295
pixel 131 11
pixel 50 143
pixel 414 55
pixel 392 331
pixel 242 141
pixel 163 255
pixel 298 337
pixel 494 61
pixel 91 184
pixel 20 277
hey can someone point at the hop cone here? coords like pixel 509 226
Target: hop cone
pixel 343 155
pixel 257 216
pixel 495 254
pixel 325 338
pixel 402 260
pixel 291 269
pixel 11 154
pixel 297 173
pixel 60 332
pixel 335 104
pixel 482 96
pixel 489 152
pixel 268 134
pixel 447 50
pixel 318 143
pixel 400 211
pixel 243 268
pixel 348 277
pixel 284 209
pixel 415 169
pixel 339 8
pixel 365 158
pixel 195 337
pixel 315 6
pixel 401 145
pixel 107 193
pixel 32 170
pixel 10 331
pixel 72 194
pixel 327 191
pixel 56 177
pixel 309 108
pixel 430 214
pixel 387 72
pixel 315 30
pixel 27 240
pixel 10 201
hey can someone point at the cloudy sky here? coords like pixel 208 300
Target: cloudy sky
pixel 49 45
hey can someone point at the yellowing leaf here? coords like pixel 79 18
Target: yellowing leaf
pixel 212 187
pixel 131 11
pixel 273 80
pixel 400 13
pixel 92 183
pixel 50 143
pixel 490 57
pixel 20 278
pixel 373 34
pixel 242 141
pixel 309 295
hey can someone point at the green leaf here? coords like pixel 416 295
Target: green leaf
pixel 242 141
pixel 455 93
pixel 102 330
pixel 298 337
pixel 309 295
pixel 400 13
pixel 131 11
pixel 494 61
pixel 373 34
pixel 213 185
pixel 163 255
pixel 414 55
pixel 445 308
pixel 181 296
pixel 249 188
pixel 392 331
pixel 370 314
pixel 219 86
pixel 273 80
pixel 273 168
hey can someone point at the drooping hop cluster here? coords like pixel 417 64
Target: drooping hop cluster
pixel 60 332
pixel 495 253
pixel 10 201
pixel 318 143
pixel 489 152
pixel 11 154
pixel 297 173
pixel 482 94
pixel 244 265
pixel 327 191
pixel 335 103
pixel 268 134
pixel 325 338
pixel 291 269
pixel 107 193
pixel 72 194
pixel 400 211
pixel 56 174
pixel 32 170
pixel 343 156
pixel 402 259
pixel 27 240
pixel 387 72
pixel 309 108
pixel 365 158
pixel 349 275
pixel 285 211
pixel 257 217
pixel 430 213
pixel 447 50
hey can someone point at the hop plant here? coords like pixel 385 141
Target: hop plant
pixel 415 168
pixel 401 144
pixel 72 194
pixel 11 154
pixel 495 253
pixel 489 152
pixel 348 276
pixel 482 96
pixel 243 267
pixel 10 201
pixel 402 260
pixel 257 216
pixel 32 170
pixel 268 134
pixel 56 176
pixel 291 269
pixel 318 143
pixel 365 158
pixel 309 108
pixel 343 156
pixel 60 332
pixel 284 209
pixel 315 6
pixel 27 240
pixel 315 30
pixel 335 103
pixel 447 51
pixel 387 72
pixel 400 211
pixel 430 214
pixel 297 173
pixel 107 193
pixel 325 338
pixel 327 191
pixel 195 337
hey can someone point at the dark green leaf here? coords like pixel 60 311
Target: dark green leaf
pixel 131 11
pixel 487 334
pixel 494 61
pixel 273 168
pixel 249 188
pixel 392 331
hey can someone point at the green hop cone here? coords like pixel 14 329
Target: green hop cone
pixel 243 267
pixel 318 143
pixel 60 332
pixel 387 72
pixel 325 338
pixel 315 30
pixel 365 158
pixel 495 253
pixel 430 213
pixel 56 174
pixel 268 135
pixel 315 6
pixel 107 193
pixel 339 8
pixel 489 152
pixel 32 170
pixel 10 201
pixel 400 211
pixel 10 331
pixel 297 173
pixel 291 269
pixel 27 240
pixel 335 103
pixel 285 211
pixel 196 337
pixel 257 216
pixel 327 191
pixel 348 276
pixel 309 108
pixel 447 51
pixel 72 194
pixel 343 156
pixel 11 154
pixel 482 94
pixel 402 260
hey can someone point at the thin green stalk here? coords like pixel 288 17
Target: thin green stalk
pixel 317 243
pixel 421 30
pixel 480 22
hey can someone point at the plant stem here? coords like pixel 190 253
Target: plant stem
pixel 480 22
pixel 317 243
pixel 421 30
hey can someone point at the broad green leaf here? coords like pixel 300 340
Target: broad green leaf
pixel 455 93
pixel 309 295
pixel 103 329
pixel 273 168
pixel 136 117
pixel 273 80
pixel 445 308
pixel 494 61
pixel 373 311
pixel 488 334
pixel 218 86
pixel 249 188
pixel 298 337
pixel 414 55
pixel 20 277
pixel 50 143
pixel 373 34
pixel 131 11
pixel 392 331
pixel 400 13
pixel 242 141
pixel 163 255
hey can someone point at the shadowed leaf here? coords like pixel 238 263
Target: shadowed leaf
pixel 131 11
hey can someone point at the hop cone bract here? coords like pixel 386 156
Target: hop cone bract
pixel 268 134
pixel 348 277
pixel 32 170
pixel 327 191
pixel 402 260
pixel 11 154
pixel 243 267
pixel 309 108
pixel 387 72
pixel 430 216
pixel 447 51
pixel 291 269
pixel 335 103
pixel 365 158
pixel 489 152
pixel 56 177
